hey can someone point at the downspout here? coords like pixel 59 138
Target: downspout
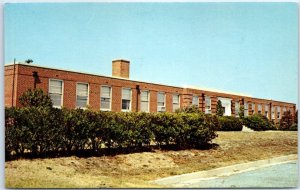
pixel 13 85
pixel 138 91
pixel 203 106
pixel 35 76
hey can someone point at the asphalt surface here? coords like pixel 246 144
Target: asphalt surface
pixel 274 172
pixel 281 175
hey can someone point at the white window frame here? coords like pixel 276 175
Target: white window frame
pixel 173 101
pixel 197 100
pixel 259 108
pixel 62 92
pixel 267 110
pixel 148 101
pixel 278 110
pixel 273 112
pixel 207 110
pixel 284 110
pixel 110 103
pixel 237 107
pixel 164 101
pixel 246 107
pixel 123 110
pixel 88 95
pixel 253 108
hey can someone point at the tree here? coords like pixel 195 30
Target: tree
pixel 241 112
pixel 35 98
pixel 220 110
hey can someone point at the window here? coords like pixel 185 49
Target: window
pixel 207 104
pixel 145 101
pixel 267 110
pixel 176 102
pixel 278 112
pixel 82 93
pixel 284 110
pixel 253 108
pixel 195 101
pixel 237 108
pixel 259 108
pixel 273 112
pixel 105 98
pixel 126 99
pixel 56 92
pixel 245 109
pixel 161 102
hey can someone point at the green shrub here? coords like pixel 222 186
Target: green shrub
pixel 230 123
pixel 286 122
pixel 35 98
pixel 189 109
pixel 41 131
pixel 258 122
pixel 294 127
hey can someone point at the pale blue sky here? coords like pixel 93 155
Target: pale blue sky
pixel 249 48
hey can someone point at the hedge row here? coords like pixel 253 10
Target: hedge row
pixel 258 122
pixel 230 123
pixel 39 130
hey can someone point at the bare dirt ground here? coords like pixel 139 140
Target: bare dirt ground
pixel 137 169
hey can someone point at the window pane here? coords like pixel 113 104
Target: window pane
pixel 126 93
pixel 144 106
pixel 105 91
pixel 56 99
pixel 273 112
pixel 55 86
pixel 81 102
pixel 259 107
pixel 82 89
pixel 125 104
pixel 175 107
pixel 105 103
pixel 144 95
pixel 175 99
pixel 161 97
pixel 266 107
pixel 195 101
pixel 207 101
pixel 245 109
pixel 160 104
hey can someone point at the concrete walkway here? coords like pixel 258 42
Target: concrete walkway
pixel 182 180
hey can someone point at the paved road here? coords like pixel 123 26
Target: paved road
pixel 281 175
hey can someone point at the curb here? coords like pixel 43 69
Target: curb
pixel 190 178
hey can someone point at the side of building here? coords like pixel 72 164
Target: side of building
pixel 117 93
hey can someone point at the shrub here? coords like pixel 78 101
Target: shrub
pixel 230 123
pixel 166 127
pixel 294 127
pixel 44 131
pixel 286 121
pixel 35 98
pixel 189 109
pixel 258 122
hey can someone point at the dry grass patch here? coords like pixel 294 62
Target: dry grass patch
pixel 136 170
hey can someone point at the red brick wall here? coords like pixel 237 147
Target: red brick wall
pixel 24 80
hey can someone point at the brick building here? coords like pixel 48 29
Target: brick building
pixel 73 89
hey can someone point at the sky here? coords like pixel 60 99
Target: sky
pixel 249 48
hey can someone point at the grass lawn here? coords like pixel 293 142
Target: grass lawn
pixel 136 170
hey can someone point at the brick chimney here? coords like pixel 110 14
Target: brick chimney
pixel 120 68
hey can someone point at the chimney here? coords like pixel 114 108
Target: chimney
pixel 120 68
